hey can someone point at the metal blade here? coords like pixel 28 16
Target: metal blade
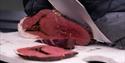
pixel 75 10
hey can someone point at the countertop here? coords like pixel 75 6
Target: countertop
pixel 11 41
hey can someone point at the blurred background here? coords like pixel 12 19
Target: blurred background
pixel 11 11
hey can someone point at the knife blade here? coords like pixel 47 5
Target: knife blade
pixel 75 10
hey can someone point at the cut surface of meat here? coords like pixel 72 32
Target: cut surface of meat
pixel 60 27
pixel 32 20
pixel 45 53
pixel 50 25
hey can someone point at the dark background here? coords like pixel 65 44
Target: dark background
pixel 11 11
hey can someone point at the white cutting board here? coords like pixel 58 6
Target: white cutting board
pixel 9 42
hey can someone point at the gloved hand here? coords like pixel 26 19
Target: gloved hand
pixel 31 7
pixel 113 26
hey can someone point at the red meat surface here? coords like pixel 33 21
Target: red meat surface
pixel 45 53
pixel 47 24
pixel 32 20
pixel 60 27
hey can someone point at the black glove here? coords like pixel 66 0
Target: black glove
pixel 31 7
pixel 113 27
pixel 120 44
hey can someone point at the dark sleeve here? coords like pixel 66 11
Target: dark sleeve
pixel 98 8
pixel 31 7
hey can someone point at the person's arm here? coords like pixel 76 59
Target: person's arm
pixel 31 7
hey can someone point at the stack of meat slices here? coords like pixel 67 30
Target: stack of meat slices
pixel 57 31
pixel 51 25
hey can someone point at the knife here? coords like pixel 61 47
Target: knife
pixel 75 10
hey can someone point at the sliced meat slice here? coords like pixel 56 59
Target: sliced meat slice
pixel 57 51
pixel 45 53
